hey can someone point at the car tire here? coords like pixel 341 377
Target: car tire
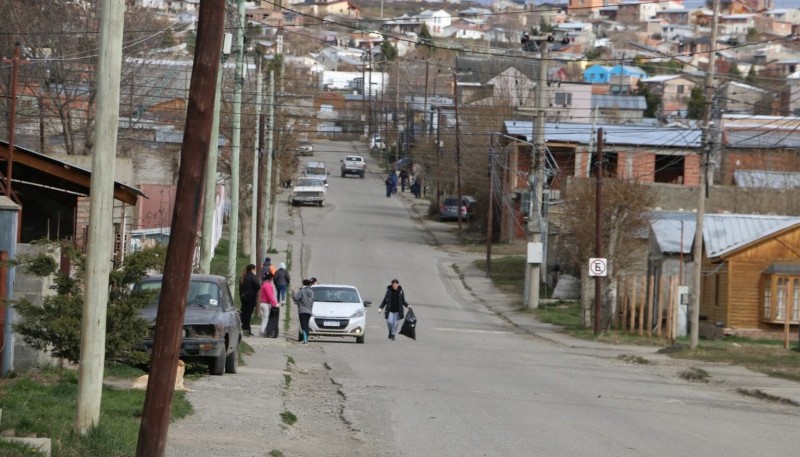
pixel 360 339
pixel 344 174
pixel 232 362
pixel 322 204
pixel 361 174
pixel 217 366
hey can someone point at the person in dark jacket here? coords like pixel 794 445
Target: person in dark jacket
pixel 281 281
pixel 392 306
pixel 391 184
pixel 249 288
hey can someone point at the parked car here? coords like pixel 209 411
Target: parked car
pixel 305 149
pixel 316 170
pixel 354 165
pixel 212 329
pixel 339 311
pixel 448 210
pixel 308 190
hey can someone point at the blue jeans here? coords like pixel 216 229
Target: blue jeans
pixel 281 290
pixel 391 321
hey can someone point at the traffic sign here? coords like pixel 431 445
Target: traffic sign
pixel 598 267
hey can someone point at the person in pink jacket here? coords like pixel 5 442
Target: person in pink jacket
pixel 270 310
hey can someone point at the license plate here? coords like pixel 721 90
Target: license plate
pixel 330 324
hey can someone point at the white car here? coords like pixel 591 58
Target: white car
pixel 316 170
pixel 339 310
pixel 308 190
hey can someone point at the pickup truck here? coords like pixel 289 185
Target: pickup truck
pixel 353 165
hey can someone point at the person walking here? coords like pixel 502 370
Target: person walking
pixel 270 309
pixel 404 179
pixel 391 184
pixel 392 306
pixel 268 267
pixel 281 282
pixel 249 288
pixel 304 298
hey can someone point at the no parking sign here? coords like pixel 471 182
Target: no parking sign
pixel 598 267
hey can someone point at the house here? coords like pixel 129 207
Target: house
pixel 632 12
pixel 793 81
pixel 54 196
pixel 674 92
pixel 466 31
pixel 618 109
pixel 736 24
pixel 436 21
pixel 603 74
pixel 650 155
pixel 676 16
pixel 751 269
pixel 761 143
pixel 341 8
pixel 475 16
pixel 740 98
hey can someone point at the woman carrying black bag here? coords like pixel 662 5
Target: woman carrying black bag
pixel 392 306
pixel 249 288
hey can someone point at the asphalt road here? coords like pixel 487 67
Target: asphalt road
pixel 472 384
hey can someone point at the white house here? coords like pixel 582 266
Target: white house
pixel 436 21
pixel 793 81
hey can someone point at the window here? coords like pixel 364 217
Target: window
pixel 781 293
pixel 563 99
pixel 680 89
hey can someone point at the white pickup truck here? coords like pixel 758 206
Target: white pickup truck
pixel 353 165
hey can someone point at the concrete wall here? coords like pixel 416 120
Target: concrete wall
pixel 33 289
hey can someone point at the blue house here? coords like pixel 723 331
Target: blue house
pixel 601 74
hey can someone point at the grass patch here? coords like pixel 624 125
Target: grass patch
pixel 289 361
pixel 765 356
pixel 693 374
pixel 508 273
pixel 118 370
pixel 765 396
pixel 288 418
pixel 287 380
pixel 43 403
pixel 275 453
pixel 634 359
pixel 12 449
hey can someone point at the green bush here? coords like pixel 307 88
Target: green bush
pixel 55 326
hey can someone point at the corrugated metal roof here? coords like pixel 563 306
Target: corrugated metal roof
pixel 607 101
pixel 766 179
pixel 722 233
pixel 634 135
pixel 762 138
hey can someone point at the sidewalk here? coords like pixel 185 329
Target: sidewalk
pixel 728 377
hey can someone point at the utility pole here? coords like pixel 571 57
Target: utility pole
pixel 266 195
pixel 438 154
pixel 598 251
pixel 183 234
pixel 255 180
pixel 705 153
pixel 396 116
pixel 282 90
pixel 12 120
pixel 99 243
pixel 425 104
pixel 210 187
pixel 458 153
pixel 236 142
pixel 537 159
pixel 489 213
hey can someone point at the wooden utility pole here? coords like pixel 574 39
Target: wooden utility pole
pixel 99 243
pixel 183 234
pixel 705 152
pixel 598 231
pixel 266 191
pixel 15 61
pixel 459 203
pixel 425 104
pixel 489 214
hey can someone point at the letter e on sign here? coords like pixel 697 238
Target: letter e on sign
pixel 598 267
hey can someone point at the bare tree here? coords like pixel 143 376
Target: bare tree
pixel 626 217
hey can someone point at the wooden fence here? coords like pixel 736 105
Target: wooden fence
pixel 647 305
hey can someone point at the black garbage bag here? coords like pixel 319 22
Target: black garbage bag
pixel 409 327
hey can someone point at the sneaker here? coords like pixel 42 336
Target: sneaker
pixel 392 337
pixel 304 342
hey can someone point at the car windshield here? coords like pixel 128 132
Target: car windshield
pixel 315 171
pixel 357 159
pixel 201 293
pixel 450 201
pixel 335 294
pixel 310 182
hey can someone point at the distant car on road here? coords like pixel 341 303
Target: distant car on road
pixel 448 210
pixel 305 149
pixel 353 165
pixel 339 310
pixel 316 170
pixel 308 190
pixel 212 329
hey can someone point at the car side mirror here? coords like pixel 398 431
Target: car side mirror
pixel 367 303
